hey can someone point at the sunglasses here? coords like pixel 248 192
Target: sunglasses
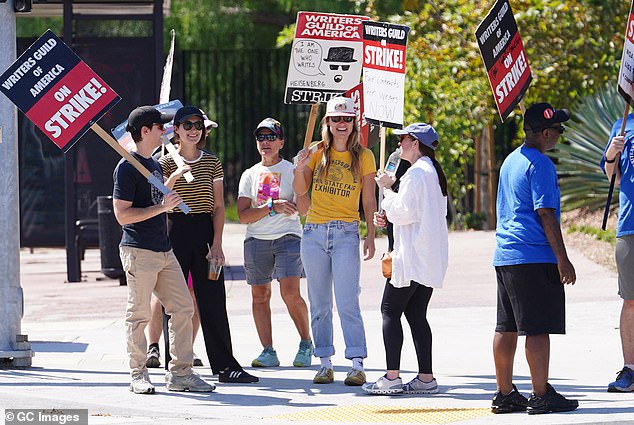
pixel 262 137
pixel 559 128
pixel 159 125
pixel 336 67
pixel 345 119
pixel 188 125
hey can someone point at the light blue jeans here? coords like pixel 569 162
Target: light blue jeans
pixel 330 255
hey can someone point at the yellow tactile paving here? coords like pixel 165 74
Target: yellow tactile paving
pixel 387 413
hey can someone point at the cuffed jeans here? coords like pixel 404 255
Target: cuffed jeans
pixel 159 272
pixel 330 255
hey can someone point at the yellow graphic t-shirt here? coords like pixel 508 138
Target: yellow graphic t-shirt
pixel 336 197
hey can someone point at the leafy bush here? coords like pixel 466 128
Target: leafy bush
pixel 583 184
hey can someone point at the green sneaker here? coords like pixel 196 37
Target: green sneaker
pixel 304 354
pixel 267 358
pixel 324 376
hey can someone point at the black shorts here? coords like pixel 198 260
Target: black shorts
pixel 531 299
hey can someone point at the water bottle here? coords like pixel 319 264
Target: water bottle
pixel 392 163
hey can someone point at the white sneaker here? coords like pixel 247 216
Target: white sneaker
pixel 384 386
pixel 416 386
pixel 141 383
pixel 191 382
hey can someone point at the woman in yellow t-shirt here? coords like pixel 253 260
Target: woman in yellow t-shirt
pixel 341 172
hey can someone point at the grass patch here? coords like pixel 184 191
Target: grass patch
pixel 231 213
pixel 608 235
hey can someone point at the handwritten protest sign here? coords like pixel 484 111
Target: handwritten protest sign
pixel 57 90
pixel 325 57
pixel 504 57
pixel 626 73
pixel 384 48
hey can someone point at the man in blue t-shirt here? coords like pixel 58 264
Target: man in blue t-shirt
pixel 531 264
pixel 148 260
pixel 619 158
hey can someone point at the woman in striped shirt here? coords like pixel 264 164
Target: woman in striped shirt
pixel 197 237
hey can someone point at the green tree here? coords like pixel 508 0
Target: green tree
pixel 572 47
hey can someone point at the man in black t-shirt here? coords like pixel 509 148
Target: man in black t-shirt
pixel 148 260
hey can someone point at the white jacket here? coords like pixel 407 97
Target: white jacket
pixel 418 212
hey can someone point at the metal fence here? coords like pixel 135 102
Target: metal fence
pixel 238 89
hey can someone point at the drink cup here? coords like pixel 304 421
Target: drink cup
pixel 213 272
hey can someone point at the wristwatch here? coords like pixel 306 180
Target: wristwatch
pixel 269 204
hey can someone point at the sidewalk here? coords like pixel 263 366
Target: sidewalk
pixel 77 332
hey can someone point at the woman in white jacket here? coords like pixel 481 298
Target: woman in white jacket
pixel 419 260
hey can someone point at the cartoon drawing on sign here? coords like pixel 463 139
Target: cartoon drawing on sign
pixel 307 58
pixel 342 56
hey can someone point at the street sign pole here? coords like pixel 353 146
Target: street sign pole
pixel 15 350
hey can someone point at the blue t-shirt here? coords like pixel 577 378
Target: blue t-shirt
pixel 625 225
pixel 130 185
pixel 528 181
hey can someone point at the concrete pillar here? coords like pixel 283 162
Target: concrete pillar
pixel 15 350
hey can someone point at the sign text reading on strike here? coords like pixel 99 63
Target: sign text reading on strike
pixel 71 105
pixel 76 105
pixel 511 78
pixel 390 58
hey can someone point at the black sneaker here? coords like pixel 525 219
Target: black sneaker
pixel 236 377
pixel 552 401
pixel 512 402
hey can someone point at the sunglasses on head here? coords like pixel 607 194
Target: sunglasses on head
pixel 345 119
pixel 188 125
pixel 262 137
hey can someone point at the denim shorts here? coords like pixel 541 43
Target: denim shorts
pixel 268 259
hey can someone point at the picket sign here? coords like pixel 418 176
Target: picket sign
pixel 324 61
pixel 64 97
pixel 384 53
pixel 504 57
pixel 626 90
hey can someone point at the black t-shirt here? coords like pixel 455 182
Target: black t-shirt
pixel 130 185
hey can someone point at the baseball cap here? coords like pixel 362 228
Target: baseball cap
pixel 273 125
pixel 340 107
pixel 186 112
pixel 422 132
pixel 209 124
pixel 146 116
pixel 542 115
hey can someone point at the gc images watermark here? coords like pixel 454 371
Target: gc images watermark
pixel 46 416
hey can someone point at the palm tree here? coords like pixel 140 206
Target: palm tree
pixel 582 183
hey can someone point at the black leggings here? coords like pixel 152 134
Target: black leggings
pixel 413 301
pixel 190 235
